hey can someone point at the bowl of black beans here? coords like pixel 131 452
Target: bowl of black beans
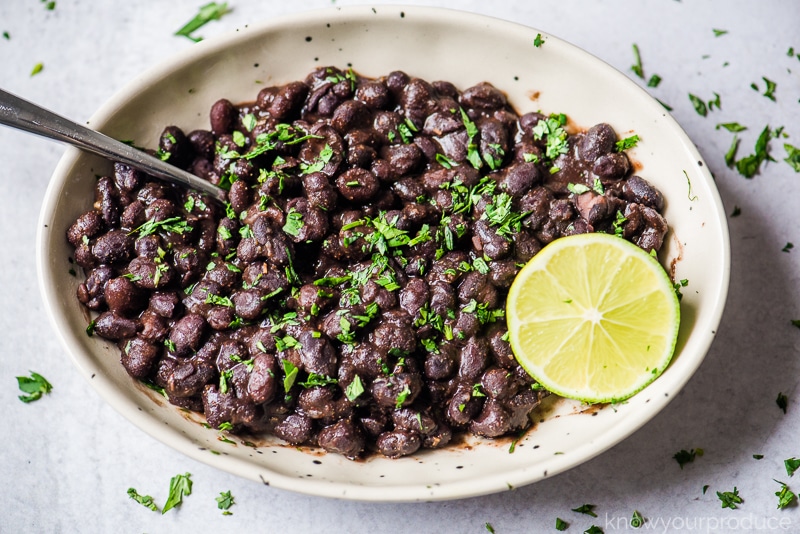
pixel 337 327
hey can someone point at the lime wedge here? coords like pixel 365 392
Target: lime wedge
pixel 593 317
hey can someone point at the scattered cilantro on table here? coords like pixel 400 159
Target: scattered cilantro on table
pixel 684 457
pixel 587 509
pixel 37 69
pixel 225 501
pixel 207 13
pixel 34 387
pixel 783 401
pixel 791 465
pixel 785 496
pixel 637 67
pixel 179 486
pixel 144 500
pixel 561 525
pixel 730 499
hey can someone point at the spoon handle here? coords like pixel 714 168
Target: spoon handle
pixel 23 115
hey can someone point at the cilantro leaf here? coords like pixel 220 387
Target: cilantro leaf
pixel 749 165
pixel 730 499
pixel 654 81
pixel 561 525
pixel 699 105
pixel 225 501
pixel 719 33
pixel 37 69
pixel 144 500
pixel 354 389
pixel 769 92
pixel 207 13
pixel 291 374
pixel 628 142
pixel 791 465
pixel 637 66
pixel 294 222
pixel 537 42
pixel 34 386
pixel 179 486
pixel 684 457
pixel 730 155
pixel 792 156
pixel 782 401
pixel 587 509
pixel 731 126
pixel 785 495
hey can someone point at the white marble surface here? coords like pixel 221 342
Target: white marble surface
pixel 67 460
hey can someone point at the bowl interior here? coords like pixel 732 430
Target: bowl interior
pixel 432 44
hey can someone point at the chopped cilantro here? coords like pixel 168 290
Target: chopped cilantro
pixel 769 92
pixel 179 486
pixel 37 69
pixel 684 457
pixel 291 374
pixel 791 465
pixel 294 222
pixel 787 247
pixel 445 162
pixel 628 142
pixel 556 142
pixel 319 162
pixel 637 520
pixel 730 155
pixel 782 401
pixel 792 156
pixel 144 500
pixel 207 13
pixel 654 81
pixel 719 33
pixel 587 509
pixel 748 166
pixel 561 525
pixel 174 225
pixel 34 387
pixel 699 105
pixel 637 66
pixel 730 499
pixel 537 41
pixel 354 389
pixel 594 529
pixel 731 126
pixel 785 495
pixel 716 102
pixel 489 528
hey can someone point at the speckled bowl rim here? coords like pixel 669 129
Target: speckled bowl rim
pixel 691 351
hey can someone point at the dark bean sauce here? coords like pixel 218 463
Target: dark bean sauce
pixel 351 295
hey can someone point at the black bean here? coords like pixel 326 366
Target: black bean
pixel 295 429
pixel 483 96
pixel 599 140
pixel 187 334
pixel 87 225
pixel 109 325
pixel 222 117
pixel 640 191
pixel 398 443
pixel 492 422
pixel 115 246
pixel 139 357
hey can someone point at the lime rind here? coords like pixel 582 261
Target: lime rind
pixel 636 335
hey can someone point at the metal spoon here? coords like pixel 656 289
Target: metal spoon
pixel 23 115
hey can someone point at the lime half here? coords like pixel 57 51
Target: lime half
pixel 593 317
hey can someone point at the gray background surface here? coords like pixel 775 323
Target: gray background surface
pixel 67 460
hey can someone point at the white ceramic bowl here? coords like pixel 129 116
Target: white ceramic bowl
pixel 433 44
